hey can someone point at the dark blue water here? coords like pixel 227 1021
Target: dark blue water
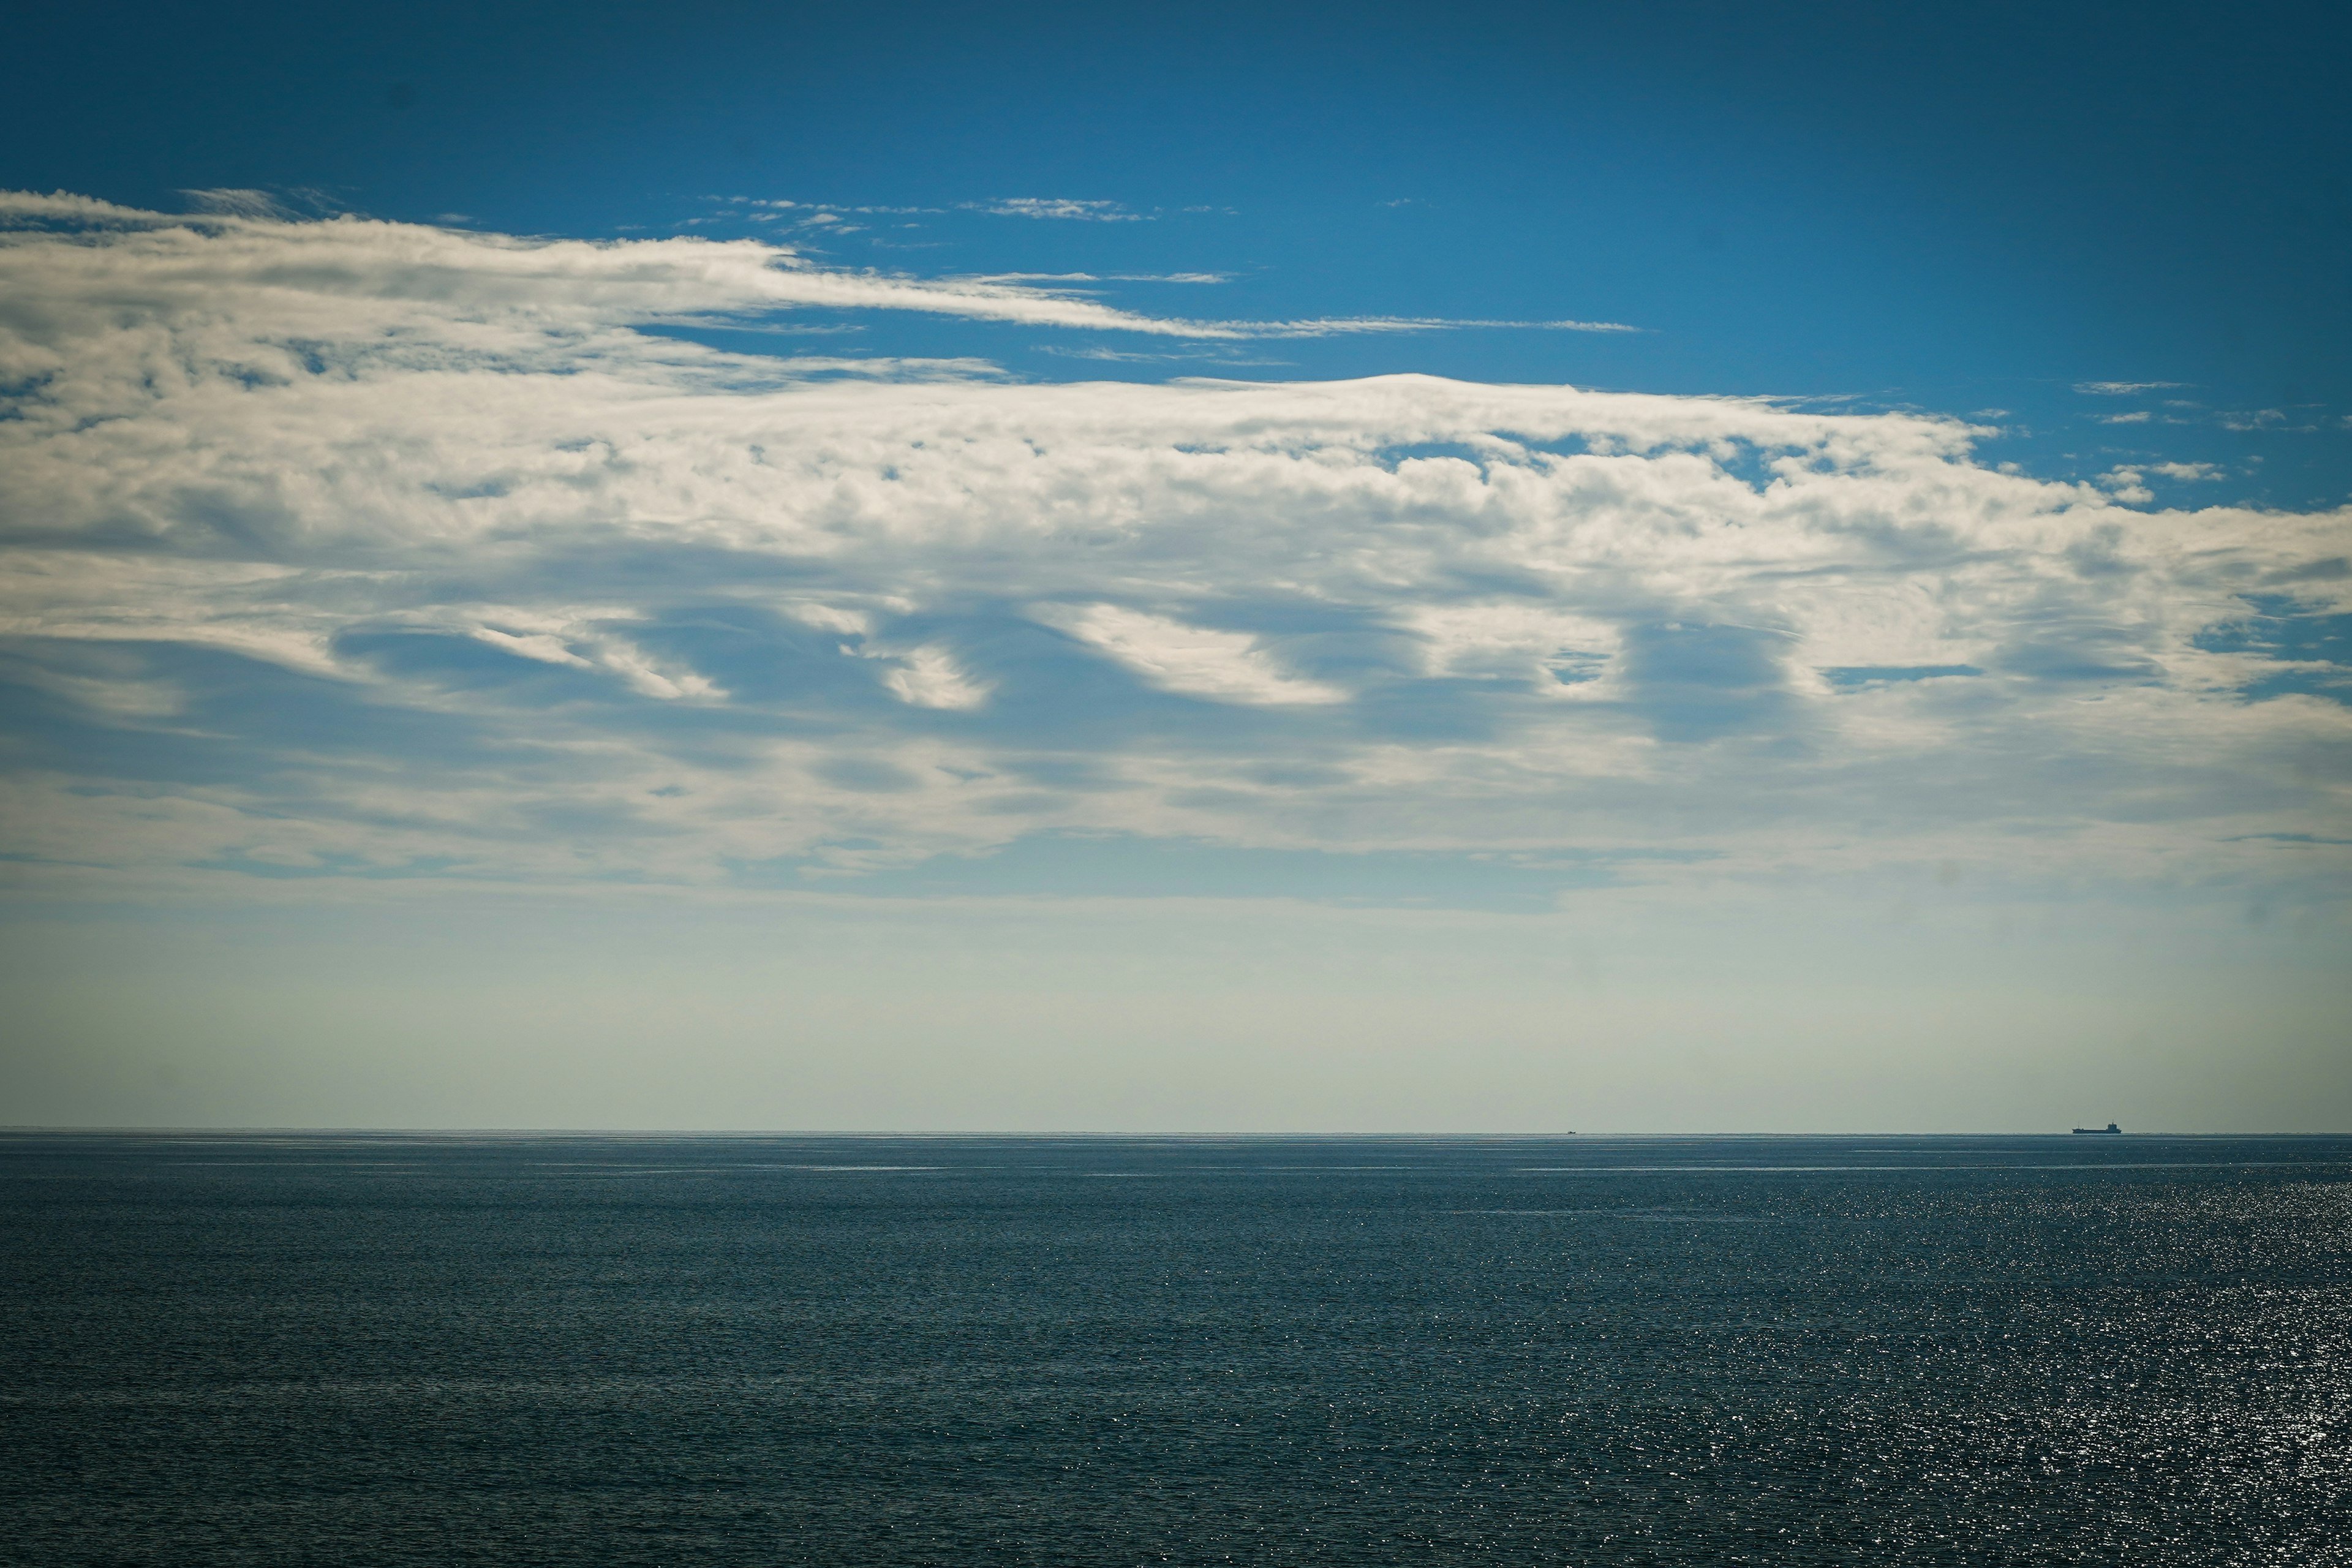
pixel 318 1350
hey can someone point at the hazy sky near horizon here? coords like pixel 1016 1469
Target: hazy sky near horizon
pixel 1510 570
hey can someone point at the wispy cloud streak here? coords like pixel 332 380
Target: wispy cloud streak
pixel 1058 207
pixel 573 284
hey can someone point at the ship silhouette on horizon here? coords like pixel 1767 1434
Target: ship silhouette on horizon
pixel 2100 1132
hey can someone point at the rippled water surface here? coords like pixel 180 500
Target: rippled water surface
pixel 841 1352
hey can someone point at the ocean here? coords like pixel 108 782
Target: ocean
pixel 848 1350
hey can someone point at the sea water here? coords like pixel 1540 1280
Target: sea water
pixel 335 1349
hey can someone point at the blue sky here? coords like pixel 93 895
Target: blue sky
pixel 1952 209
pixel 1278 568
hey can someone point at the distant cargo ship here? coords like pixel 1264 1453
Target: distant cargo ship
pixel 2100 1132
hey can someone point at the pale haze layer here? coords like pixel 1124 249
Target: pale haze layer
pixel 446 688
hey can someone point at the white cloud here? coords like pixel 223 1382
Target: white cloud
pixel 385 547
pixel 930 678
pixel 237 203
pixel 1197 661
pixel 2187 472
pixel 1059 208
pixel 329 275
pixel 544 647
pixel 831 618
pixel 2123 388
pixel 2126 485
pixel 1332 326
pixel 1508 641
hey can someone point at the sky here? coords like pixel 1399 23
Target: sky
pixel 1273 569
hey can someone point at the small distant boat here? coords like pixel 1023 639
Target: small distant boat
pixel 2109 1129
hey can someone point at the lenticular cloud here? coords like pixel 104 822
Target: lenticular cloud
pixel 365 550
